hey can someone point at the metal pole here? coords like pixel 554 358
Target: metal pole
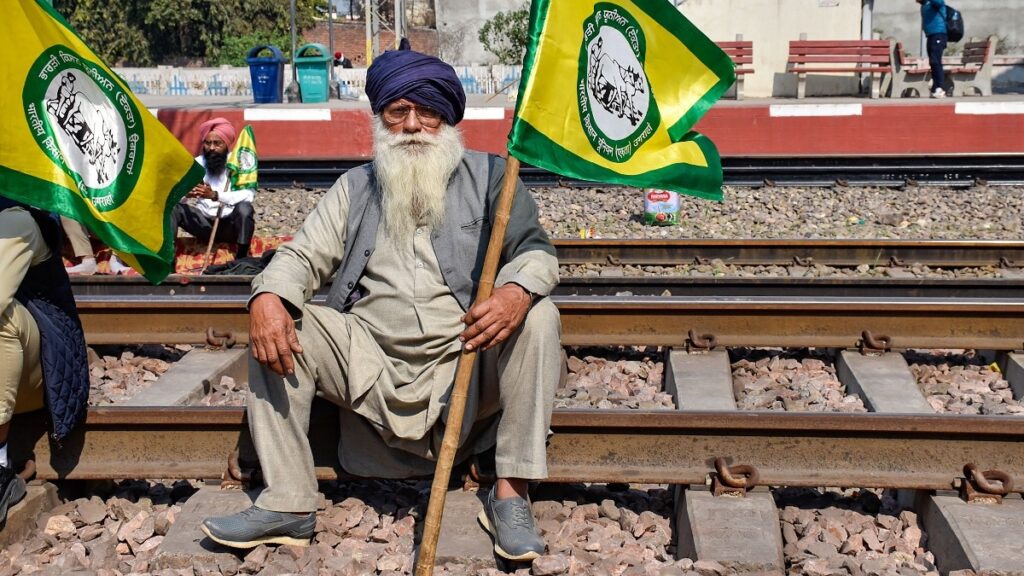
pixel 292 92
pixel 330 35
pixel 368 10
pixel 294 75
pixel 866 26
pixel 866 33
pixel 399 22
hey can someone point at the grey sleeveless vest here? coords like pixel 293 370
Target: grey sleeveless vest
pixel 460 243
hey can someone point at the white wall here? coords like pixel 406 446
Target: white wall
pixel 771 24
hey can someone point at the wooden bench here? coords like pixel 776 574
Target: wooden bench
pixel 909 75
pixel 742 54
pixel 974 73
pixel 872 57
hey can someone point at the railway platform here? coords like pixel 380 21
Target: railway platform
pixel 781 127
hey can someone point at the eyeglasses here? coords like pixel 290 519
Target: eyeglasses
pixel 397 114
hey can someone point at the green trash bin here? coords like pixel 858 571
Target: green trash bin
pixel 311 66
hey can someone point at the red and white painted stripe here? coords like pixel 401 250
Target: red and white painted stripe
pixel 749 129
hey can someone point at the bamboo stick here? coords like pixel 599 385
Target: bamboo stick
pixel 457 402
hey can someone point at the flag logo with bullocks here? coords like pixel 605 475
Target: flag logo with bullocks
pixel 86 126
pixel 614 96
pixel 611 90
pixel 77 142
pixel 242 162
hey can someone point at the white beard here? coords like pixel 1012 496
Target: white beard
pixel 413 171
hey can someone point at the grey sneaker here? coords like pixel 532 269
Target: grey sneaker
pixel 254 526
pixel 12 490
pixel 510 523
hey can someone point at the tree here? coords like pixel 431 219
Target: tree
pixel 111 28
pixel 190 29
pixel 505 35
pixel 211 32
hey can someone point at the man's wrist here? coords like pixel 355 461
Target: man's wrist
pixel 532 296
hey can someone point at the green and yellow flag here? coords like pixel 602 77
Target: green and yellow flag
pixel 611 91
pixel 242 162
pixel 75 140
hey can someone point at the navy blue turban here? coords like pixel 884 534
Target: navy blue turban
pixel 423 80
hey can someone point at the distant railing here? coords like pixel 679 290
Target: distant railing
pixel 235 81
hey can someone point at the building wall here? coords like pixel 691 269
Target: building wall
pixel 350 38
pixel 771 24
pixel 1004 18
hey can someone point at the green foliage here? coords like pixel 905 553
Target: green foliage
pixel 210 32
pixel 234 49
pixel 110 28
pixel 505 35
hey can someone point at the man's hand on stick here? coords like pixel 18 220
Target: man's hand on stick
pixel 272 334
pixel 494 320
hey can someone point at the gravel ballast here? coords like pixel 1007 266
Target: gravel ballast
pixel 628 377
pixel 962 383
pixel 117 373
pixel 913 212
pixel 796 381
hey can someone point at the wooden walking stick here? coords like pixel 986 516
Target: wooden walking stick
pixel 213 234
pixel 463 374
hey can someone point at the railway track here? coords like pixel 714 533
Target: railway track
pixel 985 314
pixel 662 446
pixel 993 324
pixel 878 450
pixel 737 171
pixel 614 255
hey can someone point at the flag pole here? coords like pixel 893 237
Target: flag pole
pixel 213 234
pixel 463 374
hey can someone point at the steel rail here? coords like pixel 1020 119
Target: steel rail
pixel 996 324
pixel 768 252
pixel 642 253
pixel 952 170
pixel 672 447
pixel 238 287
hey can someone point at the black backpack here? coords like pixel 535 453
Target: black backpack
pixel 954 24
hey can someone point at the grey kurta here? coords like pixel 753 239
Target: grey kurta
pixel 394 354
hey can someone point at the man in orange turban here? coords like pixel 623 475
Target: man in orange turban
pixel 214 194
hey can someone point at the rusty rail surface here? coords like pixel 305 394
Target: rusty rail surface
pixel 667 446
pixel 996 324
pixel 611 254
pixel 935 253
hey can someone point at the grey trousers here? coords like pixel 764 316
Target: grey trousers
pixel 517 382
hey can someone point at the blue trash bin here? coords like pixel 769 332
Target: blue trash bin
pixel 267 73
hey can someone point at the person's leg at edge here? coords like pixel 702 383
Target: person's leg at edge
pixel 21 390
pixel 78 237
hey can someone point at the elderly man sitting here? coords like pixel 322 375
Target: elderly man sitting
pixel 404 240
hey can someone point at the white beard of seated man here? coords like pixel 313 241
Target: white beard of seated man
pixel 413 170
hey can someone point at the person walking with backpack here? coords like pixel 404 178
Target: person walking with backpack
pixel 933 22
